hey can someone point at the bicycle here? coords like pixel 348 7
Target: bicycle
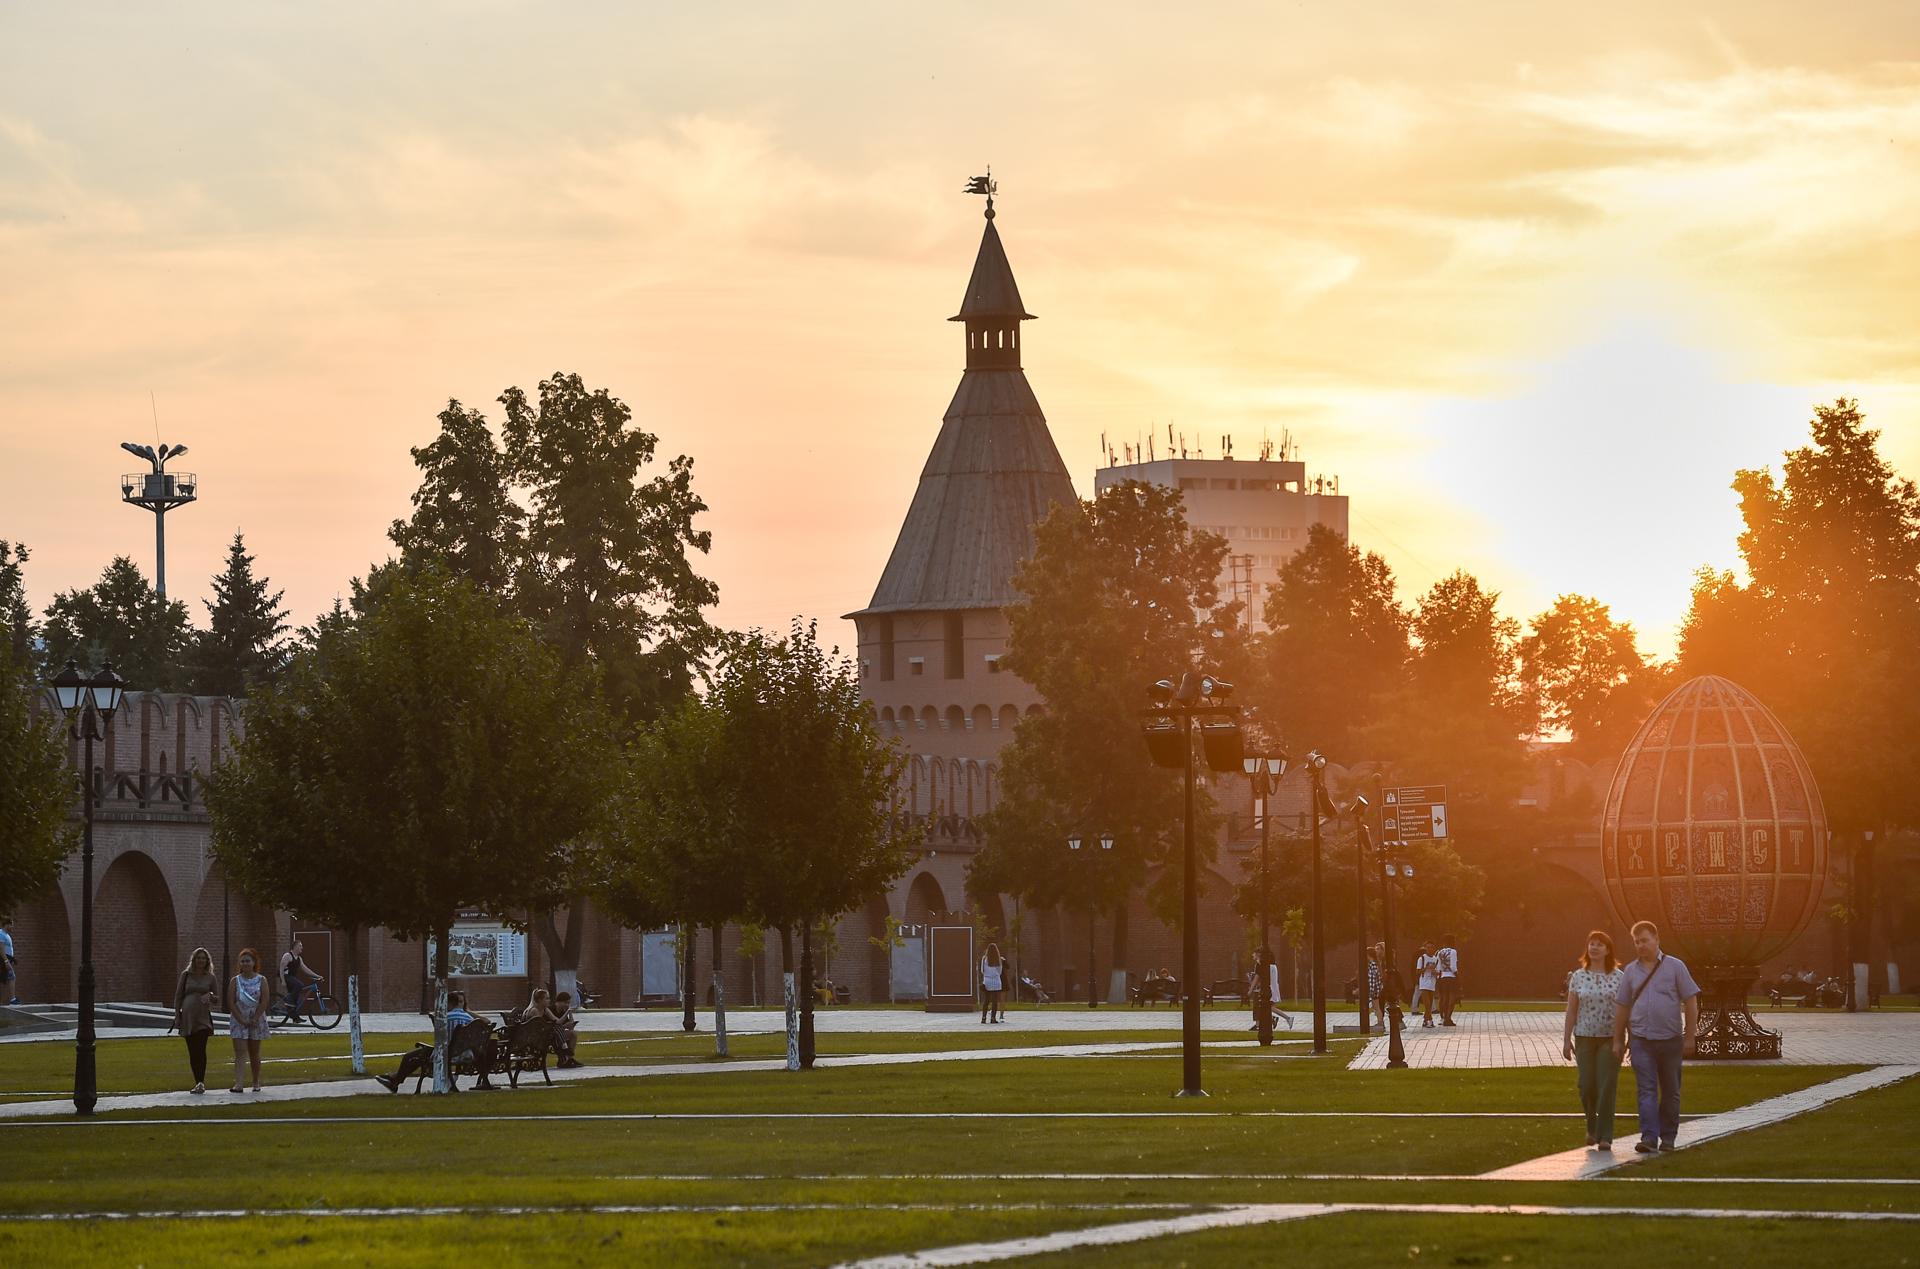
pixel 318 1009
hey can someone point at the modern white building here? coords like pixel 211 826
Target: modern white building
pixel 1263 507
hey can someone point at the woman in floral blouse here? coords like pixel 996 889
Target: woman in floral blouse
pixel 1591 992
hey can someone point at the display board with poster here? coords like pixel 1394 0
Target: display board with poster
pixel 483 951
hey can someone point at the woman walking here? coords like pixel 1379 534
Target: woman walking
pixel 993 978
pixel 247 1018
pixel 1377 982
pixel 193 1012
pixel 1592 992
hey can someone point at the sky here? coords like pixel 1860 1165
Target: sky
pixel 1533 280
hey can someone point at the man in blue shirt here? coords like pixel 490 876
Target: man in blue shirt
pixel 1659 1010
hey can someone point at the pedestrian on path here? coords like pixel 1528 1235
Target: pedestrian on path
pixel 193 1012
pixel 247 1018
pixel 1448 958
pixel 1426 969
pixel 1659 1009
pixel 1593 993
pixel 1377 982
pixel 993 971
pixel 9 971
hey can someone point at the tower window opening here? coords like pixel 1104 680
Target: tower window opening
pixel 956 641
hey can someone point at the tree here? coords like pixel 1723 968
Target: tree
pixel 121 619
pixel 18 633
pixel 1586 674
pixel 1336 644
pixel 1119 592
pixel 812 783
pixel 609 576
pixel 600 560
pixel 464 512
pixel 444 755
pixel 36 789
pixel 1823 629
pixel 245 642
pixel 682 849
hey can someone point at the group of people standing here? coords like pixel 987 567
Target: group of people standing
pixel 194 998
pixel 1436 982
pixel 1646 1009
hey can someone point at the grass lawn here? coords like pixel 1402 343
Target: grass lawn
pixel 846 1161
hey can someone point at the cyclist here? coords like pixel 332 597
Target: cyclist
pixel 299 977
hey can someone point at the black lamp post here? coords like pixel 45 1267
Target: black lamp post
pixel 1393 866
pixel 1197 703
pixel 1364 993
pixel 1265 773
pixel 1316 770
pixel 88 704
pixel 1106 844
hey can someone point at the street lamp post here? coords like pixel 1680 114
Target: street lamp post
pixel 1265 773
pixel 1392 865
pixel 1364 992
pixel 1106 844
pixel 1317 768
pixel 89 704
pixel 1198 700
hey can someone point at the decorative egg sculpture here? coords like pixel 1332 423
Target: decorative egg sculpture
pixel 1714 830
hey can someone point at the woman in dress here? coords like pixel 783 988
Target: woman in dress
pixel 247 1018
pixel 993 979
pixel 193 1012
pixel 1591 994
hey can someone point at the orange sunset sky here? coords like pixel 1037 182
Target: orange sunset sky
pixel 1532 279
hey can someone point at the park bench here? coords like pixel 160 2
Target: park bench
pixel 1158 992
pixel 1226 989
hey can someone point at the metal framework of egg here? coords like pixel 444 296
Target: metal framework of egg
pixel 1714 829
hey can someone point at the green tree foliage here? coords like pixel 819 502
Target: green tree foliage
pixel 1119 593
pixel 1824 630
pixel 245 642
pixel 438 752
pixel 464 511
pixel 36 788
pixel 810 781
pixel 1336 645
pixel 121 619
pixel 1586 674
pixel 17 629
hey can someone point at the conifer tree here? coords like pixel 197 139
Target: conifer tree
pixel 121 619
pixel 245 642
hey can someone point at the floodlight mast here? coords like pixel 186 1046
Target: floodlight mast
pixel 158 491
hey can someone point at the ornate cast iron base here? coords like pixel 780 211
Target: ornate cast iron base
pixel 1727 1030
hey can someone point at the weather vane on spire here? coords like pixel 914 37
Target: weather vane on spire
pixel 984 185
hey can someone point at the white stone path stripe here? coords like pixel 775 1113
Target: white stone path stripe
pixel 1230 1176
pixel 1574 1165
pixel 359 1087
pixel 598 1209
pixel 1274 1213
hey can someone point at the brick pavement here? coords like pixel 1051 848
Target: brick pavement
pixel 1809 1038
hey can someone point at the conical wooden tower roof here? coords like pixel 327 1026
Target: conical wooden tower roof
pixel 992 476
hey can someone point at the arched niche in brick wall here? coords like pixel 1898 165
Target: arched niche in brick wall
pixel 136 939
pixel 43 947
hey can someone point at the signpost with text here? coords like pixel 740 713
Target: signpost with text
pixel 1417 813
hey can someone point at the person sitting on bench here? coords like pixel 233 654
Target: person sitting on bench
pixel 415 1064
pixel 564 1039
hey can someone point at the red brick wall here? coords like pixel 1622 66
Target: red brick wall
pixel 134 936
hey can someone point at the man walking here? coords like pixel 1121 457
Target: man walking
pixel 1449 979
pixel 1659 1009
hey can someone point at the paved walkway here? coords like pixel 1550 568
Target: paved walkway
pixel 1809 1038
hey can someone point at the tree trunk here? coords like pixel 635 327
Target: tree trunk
pixel 806 996
pixel 563 947
pixel 1119 951
pixel 441 1083
pixel 355 1045
pixel 793 1017
pixel 689 992
pixel 719 1000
